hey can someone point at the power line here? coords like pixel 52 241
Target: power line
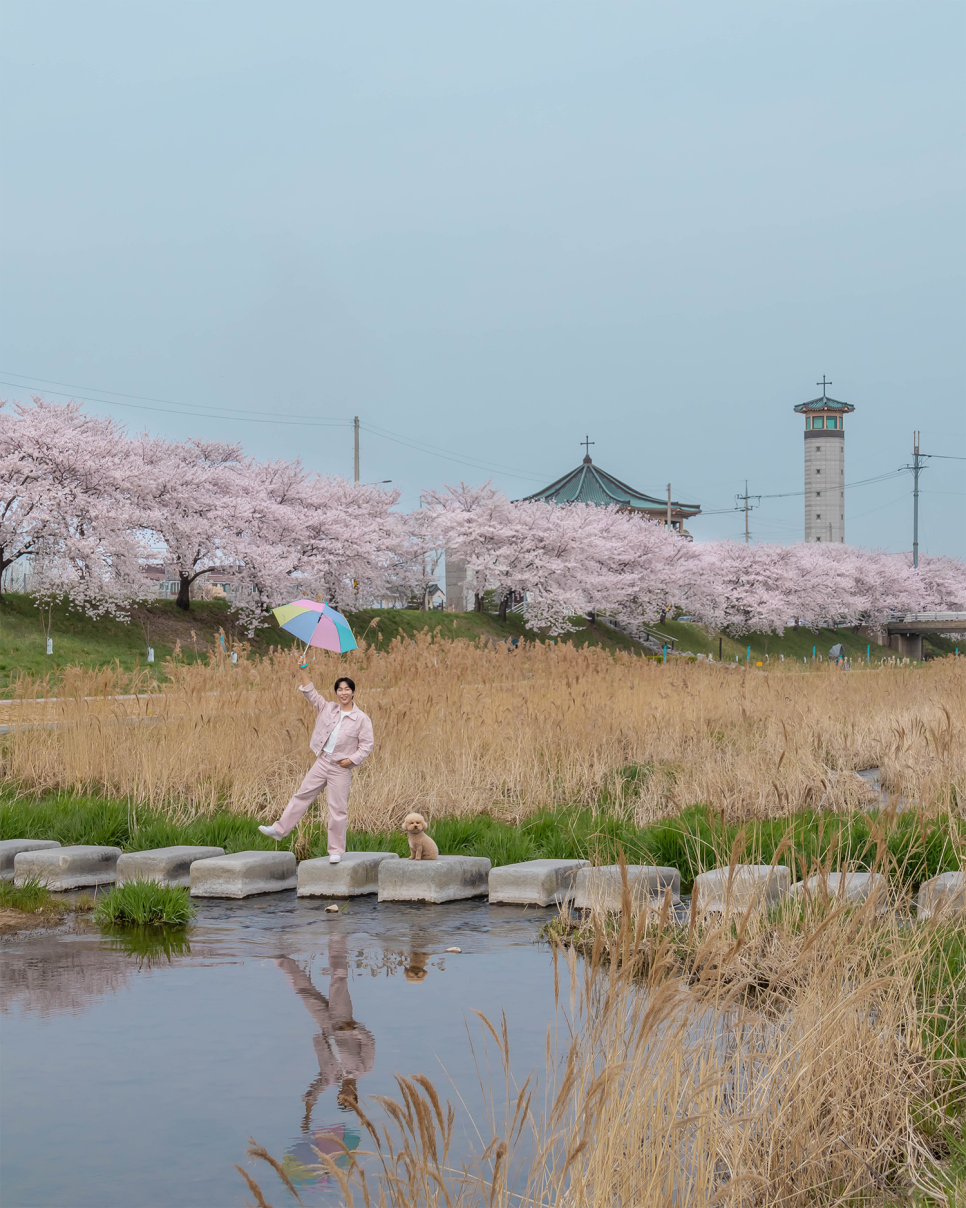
pixel 436 451
pixel 267 417
pixel 247 418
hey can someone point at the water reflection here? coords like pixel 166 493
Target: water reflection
pixel 53 977
pixel 345 1049
pixel 150 945
pixel 415 970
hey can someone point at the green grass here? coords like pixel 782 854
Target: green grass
pixel 794 644
pixel 690 842
pixel 145 904
pixel 80 640
pixel 30 896
pixel 407 622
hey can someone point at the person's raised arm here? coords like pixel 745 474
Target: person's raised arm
pixel 305 682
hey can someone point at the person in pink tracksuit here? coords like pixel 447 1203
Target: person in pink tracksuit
pixel 341 740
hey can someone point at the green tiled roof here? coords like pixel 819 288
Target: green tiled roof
pixel 588 484
pixel 824 404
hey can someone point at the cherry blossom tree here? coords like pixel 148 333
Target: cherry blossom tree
pixel 66 504
pixel 568 560
pixel 191 497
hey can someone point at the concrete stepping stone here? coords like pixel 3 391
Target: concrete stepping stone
pixel 61 868
pixel 535 882
pixel 732 890
pixel 163 865
pixel 843 886
pixel 944 895
pixel 601 889
pixel 445 879
pixel 356 873
pixel 243 874
pixel 10 848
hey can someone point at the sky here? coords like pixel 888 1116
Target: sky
pixel 492 229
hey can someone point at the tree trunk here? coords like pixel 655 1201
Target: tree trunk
pixel 592 618
pixel 504 604
pixel 184 599
pixel 477 603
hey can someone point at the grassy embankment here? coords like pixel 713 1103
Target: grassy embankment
pixel 81 641
pixel 795 644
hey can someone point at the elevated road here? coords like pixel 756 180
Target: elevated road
pixel 905 633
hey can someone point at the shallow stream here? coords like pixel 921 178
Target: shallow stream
pixel 136 1083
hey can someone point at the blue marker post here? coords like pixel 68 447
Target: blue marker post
pixel 868 653
pixel 664 659
pixel 813 654
pixel 748 655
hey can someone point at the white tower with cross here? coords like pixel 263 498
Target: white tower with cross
pixel 824 466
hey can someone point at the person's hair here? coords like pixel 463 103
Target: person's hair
pixel 344 679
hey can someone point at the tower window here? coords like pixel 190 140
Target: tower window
pixel 818 471
pixel 818 421
pixel 832 422
pixel 818 494
pixel 818 538
pixel 818 515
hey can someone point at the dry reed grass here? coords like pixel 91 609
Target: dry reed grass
pixel 463 728
pixel 796 1066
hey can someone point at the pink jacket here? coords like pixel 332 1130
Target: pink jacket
pixel 354 740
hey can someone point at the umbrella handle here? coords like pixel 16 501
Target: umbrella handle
pixel 303 666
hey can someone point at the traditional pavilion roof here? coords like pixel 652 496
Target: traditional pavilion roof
pixel 589 484
pixel 824 404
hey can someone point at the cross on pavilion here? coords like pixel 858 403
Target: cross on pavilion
pixel 587 442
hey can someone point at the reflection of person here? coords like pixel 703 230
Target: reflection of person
pixel 345 1049
pixel 341 740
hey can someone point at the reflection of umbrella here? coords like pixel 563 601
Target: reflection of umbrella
pixel 302 1163
pixel 316 624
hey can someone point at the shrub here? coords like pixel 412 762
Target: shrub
pixel 145 903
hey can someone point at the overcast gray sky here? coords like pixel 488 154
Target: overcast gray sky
pixel 493 228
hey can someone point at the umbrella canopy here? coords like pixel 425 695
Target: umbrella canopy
pixel 316 624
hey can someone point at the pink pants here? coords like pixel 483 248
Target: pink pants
pixel 325 773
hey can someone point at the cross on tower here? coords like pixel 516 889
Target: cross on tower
pixel 823 383
pixel 587 442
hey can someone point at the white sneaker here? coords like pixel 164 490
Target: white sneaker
pixel 270 831
pixel 334 859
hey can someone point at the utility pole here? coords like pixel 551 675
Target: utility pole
pixel 668 507
pixel 355 433
pixel 748 505
pixel 916 467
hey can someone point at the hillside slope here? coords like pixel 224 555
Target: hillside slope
pixel 78 639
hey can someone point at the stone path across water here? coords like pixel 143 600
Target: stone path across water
pixel 213 874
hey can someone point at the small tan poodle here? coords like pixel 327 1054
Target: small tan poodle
pixel 421 847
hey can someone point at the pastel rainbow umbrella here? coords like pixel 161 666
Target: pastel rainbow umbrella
pixel 316 624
